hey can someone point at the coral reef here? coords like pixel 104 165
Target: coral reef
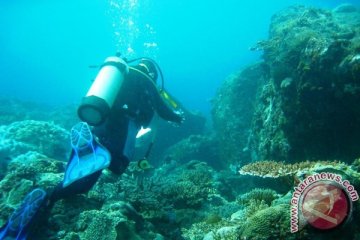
pixel 43 137
pixel 271 169
pixel 175 201
pixel 299 103
pixel 302 103
pixel 110 222
pixel 200 147
pixel 172 196
pixel 258 194
pixel 13 110
pixel 183 186
pixel 282 177
pixel 80 217
pixel 254 219
pixel 261 224
pixel 122 207
pixel 31 145
pixel 317 106
pixel 278 169
pixel 24 173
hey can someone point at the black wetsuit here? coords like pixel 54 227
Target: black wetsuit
pixel 135 106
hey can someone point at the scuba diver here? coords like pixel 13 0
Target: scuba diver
pixel 122 100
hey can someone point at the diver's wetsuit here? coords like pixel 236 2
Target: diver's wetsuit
pixel 134 107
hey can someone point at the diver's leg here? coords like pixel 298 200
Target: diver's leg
pixel 87 160
pixel 80 186
pixel 88 156
pixel 27 214
pixel 24 216
pixel 120 141
pixel 118 165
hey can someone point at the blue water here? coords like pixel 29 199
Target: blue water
pixel 47 46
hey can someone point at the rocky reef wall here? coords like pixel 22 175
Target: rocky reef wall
pixel 233 111
pixel 303 102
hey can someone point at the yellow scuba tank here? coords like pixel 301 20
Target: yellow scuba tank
pixel 96 105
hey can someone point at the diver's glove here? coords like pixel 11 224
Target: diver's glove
pixel 181 115
pixel 180 118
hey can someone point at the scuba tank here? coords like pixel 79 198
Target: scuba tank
pixel 96 105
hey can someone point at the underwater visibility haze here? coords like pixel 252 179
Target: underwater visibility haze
pixel 47 46
pixel 264 104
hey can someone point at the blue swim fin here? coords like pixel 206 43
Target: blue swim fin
pixel 18 225
pixel 88 156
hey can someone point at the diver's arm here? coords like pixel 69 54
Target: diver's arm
pixel 162 108
pixel 164 111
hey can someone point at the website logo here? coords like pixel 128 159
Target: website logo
pixel 322 200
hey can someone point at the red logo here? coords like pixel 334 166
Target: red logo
pixel 325 205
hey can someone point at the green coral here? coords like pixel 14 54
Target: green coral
pixel 258 194
pixel 190 187
pixel 254 205
pixel 185 187
pixel 268 223
pixel 98 225
pixel 216 231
